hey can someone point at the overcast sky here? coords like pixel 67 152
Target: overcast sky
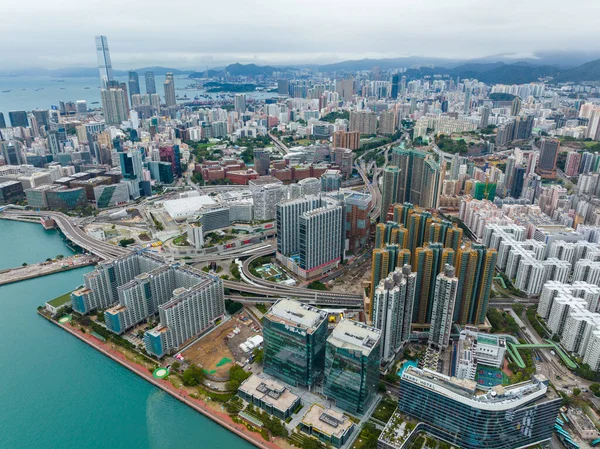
pixel 194 34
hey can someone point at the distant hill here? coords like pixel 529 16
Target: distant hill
pixel 249 70
pixel 590 71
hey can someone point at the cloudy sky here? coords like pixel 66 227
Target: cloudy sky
pixel 194 34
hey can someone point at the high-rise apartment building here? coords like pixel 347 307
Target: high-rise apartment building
pixel 346 139
pixel 169 86
pixel 520 415
pixel 239 103
pixel 104 64
pixel 345 88
pixel 392 310
pixel 418 178
pixel 446 285
pixel 475 266
pixel 150 82
pixel 429 261
pixel 352 362
pixel 364 122
pixel 294 342
pixel 283 87
pixel 515 107
pixel 114 106
pixel 387 122
pixel 389 195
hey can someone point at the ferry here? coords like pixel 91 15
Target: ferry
pixel 5 91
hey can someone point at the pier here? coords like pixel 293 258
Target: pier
pixel 45 268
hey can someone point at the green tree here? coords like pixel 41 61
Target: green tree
pixel 576 391
pixel 237 375
pixel 259 355
pixel 193 375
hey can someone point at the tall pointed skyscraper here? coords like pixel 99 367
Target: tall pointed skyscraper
pixel 104 64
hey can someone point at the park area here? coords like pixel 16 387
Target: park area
pixel 217 351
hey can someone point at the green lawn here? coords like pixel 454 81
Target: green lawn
pixel 60 300
pixel 385 410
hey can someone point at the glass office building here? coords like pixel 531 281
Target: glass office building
pixel 294 342
pixel 352 363
pixel 511 417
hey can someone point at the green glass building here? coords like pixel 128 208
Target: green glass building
pixel 352 364
pixel 294 342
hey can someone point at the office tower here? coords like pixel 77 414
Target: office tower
pixel 114 106
pixel 104 64
pixel 2 121
pixel 150 82
pixel 515 107
pixel 311 235
pixel 283 87
pixel 42 117
pixel 195 306
pixel 12 154
pixel 364 122
pixel 345 88
pixel 53 143
pixel 419 177
pixel 387 122
pixel 389 195
pixel 169 85
pixel 331 181
pixel 357 218
pixel 485 117
pixel 294 342
pixel 346 139
pixel 392 310
pixel 520 415
pixel 321 234
pixel 134 84
pixel 18 118
pixel 548 155
pixel 395 86
pixel 446 285
pixel 429 261
pixel 352 360
pixel 239 102
pixel 262 161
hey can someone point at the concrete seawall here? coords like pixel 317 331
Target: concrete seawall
pixel 220 418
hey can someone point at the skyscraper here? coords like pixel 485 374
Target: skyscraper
pixel 240 103
pixel 419 177
pixel 114 106
pixel 446 285
pixel 150 82
pixel 395 86
pixel 104 64
pixel 169 85
pixel 294 342
pixel 389 195
pixel 352 360
pixel 392 310
pixel 548 155
pixel 515 107
pixel 134 84
pixel 429 262
pixel 262 161
pixel 18 118
pixel 2 121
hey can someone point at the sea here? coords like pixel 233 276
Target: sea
pixel 56 392
pixel 25 93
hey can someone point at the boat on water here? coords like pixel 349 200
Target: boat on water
pixel 95 102
pixel 39 88
pixel 62 88
pixel 5 91
pixel 85 88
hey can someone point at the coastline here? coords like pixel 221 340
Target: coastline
pixel 198 405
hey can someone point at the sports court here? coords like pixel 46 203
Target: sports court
pixel 490 377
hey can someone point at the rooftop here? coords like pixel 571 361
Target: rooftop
pixel 270 392
pixel 355 336
pixel 327 421
pixel 297 314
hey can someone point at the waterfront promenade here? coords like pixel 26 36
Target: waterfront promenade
pixel 220 418
pixel 45 268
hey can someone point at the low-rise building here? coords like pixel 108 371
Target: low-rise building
pixel 327 425
pixel 273 397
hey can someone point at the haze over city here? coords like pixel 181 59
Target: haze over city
pixel 192 36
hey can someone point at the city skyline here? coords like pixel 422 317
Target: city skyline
pixel 448 33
